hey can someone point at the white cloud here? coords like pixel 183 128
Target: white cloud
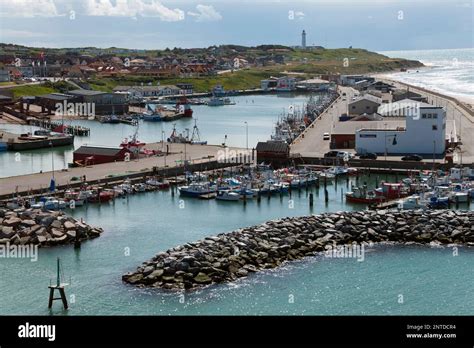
pixel 28 8
pixel 132 8
pixel 205 14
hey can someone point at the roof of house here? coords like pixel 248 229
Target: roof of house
pixel 272 146
pixel 85 92
pixel 367 97
pixel 350 127
pixel 55 96
pixel 98 150
pixel 401 107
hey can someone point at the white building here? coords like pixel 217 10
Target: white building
pixel 286 84
pixel 424 134
pixel 149 91
pixel 280 84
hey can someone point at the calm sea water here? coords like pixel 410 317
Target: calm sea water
pixel 260 111
pixel 431 280
pixel 449 71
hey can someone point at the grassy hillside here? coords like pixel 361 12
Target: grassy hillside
pixel 44 88
pixel 243 79
pixel 309 63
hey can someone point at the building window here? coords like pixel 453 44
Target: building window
pixel 435 115
pixel 429 115
pixel 423 115
pixel 353 107
pixel 444 126
pixel 435 127
pixel 367 107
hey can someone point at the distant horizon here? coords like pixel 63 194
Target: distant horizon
pixel 228 44
pixel 376 25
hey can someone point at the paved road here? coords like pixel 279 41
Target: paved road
pixel 194 153
pixel 311 143
pixel 464 122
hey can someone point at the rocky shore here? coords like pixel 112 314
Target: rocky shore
pixel 45 228
pixel 229 256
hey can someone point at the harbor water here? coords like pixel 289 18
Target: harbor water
pixel 260 111
pixel 431 280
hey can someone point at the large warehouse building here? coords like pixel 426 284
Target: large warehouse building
pixel 424 133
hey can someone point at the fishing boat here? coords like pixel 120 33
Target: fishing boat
pixel 226 195
pixel 392 190
pixel 196 136
pixel 195 189
pixel 183 106
pixel 412 202
pixel 155 117
pixel 151 114
pixel 78 197
pixel 133 144
pixel 51 203
pixel 110 119
pixel 246 193
pixel 362 195
pixel 438 202
pixel 160 184
pixel 219 101
pixel 178 138
pixel 102 196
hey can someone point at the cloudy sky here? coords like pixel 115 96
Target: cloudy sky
pixel 372 24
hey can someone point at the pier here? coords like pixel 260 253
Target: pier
pixel 198 158
pixel 67 129
pixel 17 142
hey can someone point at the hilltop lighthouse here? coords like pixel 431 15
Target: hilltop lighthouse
pixel 303 40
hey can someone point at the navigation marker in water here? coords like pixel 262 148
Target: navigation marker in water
pixel 59 286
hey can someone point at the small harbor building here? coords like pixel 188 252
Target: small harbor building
pixel 366 104
pixel 279 84
pixel 275 153
pixel 87 155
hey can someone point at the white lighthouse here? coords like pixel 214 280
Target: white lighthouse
pixel 303 40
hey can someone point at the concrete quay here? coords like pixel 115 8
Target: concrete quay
pixel 202 156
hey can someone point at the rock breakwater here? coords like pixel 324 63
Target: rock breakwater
pixel 229 256
pixel 45 228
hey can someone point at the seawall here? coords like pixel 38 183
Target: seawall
pixel 232 255
pixel 44 228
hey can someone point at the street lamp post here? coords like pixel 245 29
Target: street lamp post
pixel 434 154
pixel 52 157
pixel 247 134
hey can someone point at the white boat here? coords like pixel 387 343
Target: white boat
pixel 459 197
pixel 328 176
pixel 226 195
pixel 196 189
pixel 412 202
pixel 139 187
pixel 337 170
pixel 52 203
pixel 216 101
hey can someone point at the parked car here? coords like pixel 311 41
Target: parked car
pixel 331 154
pixel 368 155
pixel 326 136
pixel 416 158
pixel 345 154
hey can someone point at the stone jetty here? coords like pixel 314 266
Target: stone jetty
pixel 232 255
pixel 45 228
